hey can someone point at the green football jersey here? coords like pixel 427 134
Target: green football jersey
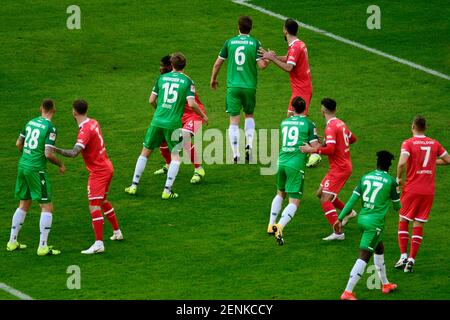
pixel 242 54
pixel 173 89
pixel 295 132
pixel 37 133
pixel 377 189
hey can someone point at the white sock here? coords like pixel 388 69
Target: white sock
pixel 404 256
pixel 356 274
pixel 139 169
pixel 275 209
pixel 249 130
pixel 16 224
pixel 288 214
pixel 378 260
pixel 233 134
pixel 45 225
pixel 98 242
pixel 171 175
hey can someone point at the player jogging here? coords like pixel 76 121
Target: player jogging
pixel 338 139
pixel 169 96
pixel 295 62
pixel 419 156
pixel 191 122
pixel 377 189
pixel 295 131
pixel 33 184
pixel 242 54
pixel 91 145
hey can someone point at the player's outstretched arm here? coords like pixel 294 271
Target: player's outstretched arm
pixel 50 155
pixel 69 153
pixel 262 63
pixel 191 102
pixel 283 65
pixel 215 72
pixel 445 160
pixel 19 143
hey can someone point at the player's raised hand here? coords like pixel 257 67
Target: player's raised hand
pixel 214 84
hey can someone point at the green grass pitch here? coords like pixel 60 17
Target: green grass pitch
pixel 211 242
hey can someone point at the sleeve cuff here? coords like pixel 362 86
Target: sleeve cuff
pixel 80 144
pixel 291 62
pixel 445 152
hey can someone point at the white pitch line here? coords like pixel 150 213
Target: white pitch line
pixel 347 41
pixel 14 292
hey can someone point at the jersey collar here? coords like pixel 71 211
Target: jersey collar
pixel 334 118
pixel 292 42
pixel 85 121
pixel 245 35
pixel 420 136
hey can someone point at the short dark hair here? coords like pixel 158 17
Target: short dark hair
pixel 384 160
pixel 420 123
pixel 291 26
pixel 299 104
pixel 329 104
pixel 165 61
pixel 80 106
pixel 178 61
pixel 48 104
pixel 245 24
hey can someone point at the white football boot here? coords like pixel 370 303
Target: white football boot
pixel 335 236
pixel 97 247
pixel 117 235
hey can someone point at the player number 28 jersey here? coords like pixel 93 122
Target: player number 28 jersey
pixel 295 132
pixel 90 138
pixel 421 168
pixel 242 54
pixel 37 133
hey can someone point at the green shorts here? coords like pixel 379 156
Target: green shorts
pixel 370 236
pixel 291 181
pixel 155 136
pixel 34 185
pixel 240 97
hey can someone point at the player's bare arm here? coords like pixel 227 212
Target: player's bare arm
pixel 152 99
pixel 283 65
pixel 401 167
pixel 262 51
pixel 191 102
pixel 215 71
pixel 19 143
pixel 262 64
pixel 70 153
pixel 444 160
pixel 50 155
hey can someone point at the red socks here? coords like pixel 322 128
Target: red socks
pixel 97 224
pixel 165 152
pixel 338 204
pixel 108 210
pixel 330 212
pixel 403 236
pixel 416 241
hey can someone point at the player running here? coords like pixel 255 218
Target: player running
pixel 90 144
pixel 242 51
pixel 338 139
pixel 419 154
pixel 295 62
pixel 33 184
pixel 296 131
pixel 169 97
pixel 191 122
pixel 378 189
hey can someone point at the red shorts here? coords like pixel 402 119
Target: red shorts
pixel 416 206
pixel 192 123
pixel 98 185
pixel 305 95
pixel 334 181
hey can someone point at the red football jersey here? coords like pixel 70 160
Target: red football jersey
pixel 338 133
pixel 189 113
pixel 300 75
pixel 90 138
pixel 421 168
